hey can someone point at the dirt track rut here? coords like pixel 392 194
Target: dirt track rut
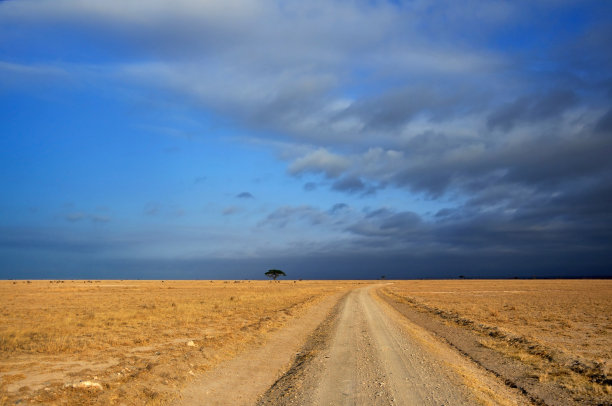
pixel 365 359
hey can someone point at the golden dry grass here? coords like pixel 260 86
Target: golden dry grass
pixel 563 328
pixel 131 336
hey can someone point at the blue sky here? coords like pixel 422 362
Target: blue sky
pixel 330 139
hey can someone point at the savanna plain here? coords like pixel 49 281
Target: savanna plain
pixel 143 342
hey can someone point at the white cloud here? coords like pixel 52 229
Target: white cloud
pixel 320 160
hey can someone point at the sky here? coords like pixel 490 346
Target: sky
pixel 336 139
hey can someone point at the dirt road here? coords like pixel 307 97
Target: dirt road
pixel 363 353
pixel 366 359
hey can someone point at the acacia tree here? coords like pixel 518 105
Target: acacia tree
pixel 274 273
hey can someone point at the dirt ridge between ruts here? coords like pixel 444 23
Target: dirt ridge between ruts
pixel 287 389
pixel 514 373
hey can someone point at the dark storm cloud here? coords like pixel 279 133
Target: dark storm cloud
pixel 285 215
pixel 527 231
pixel 384 227
pixel 532 108
pixel 53 240
pixel 395 108
pixel 349 184
pixel 338 207
pixel 245 195
pixel 548 160
pixel 354 185
pixel 401 221
pixel 604 125
pixel 554 163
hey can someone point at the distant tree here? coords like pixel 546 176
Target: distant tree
pixel 461 276
pixel 274 273
pixel 383 277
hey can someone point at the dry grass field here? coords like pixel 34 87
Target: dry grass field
pixel 140 342
pixel 133 342
pixel 563 328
